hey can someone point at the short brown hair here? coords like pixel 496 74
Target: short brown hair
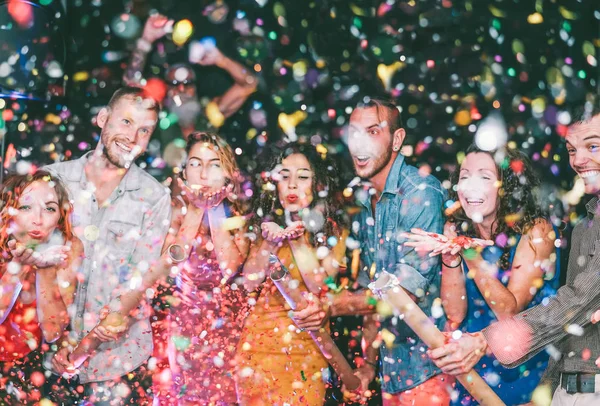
pixel 134 93
pixel 386 111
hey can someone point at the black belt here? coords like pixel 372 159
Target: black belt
pixel 578 382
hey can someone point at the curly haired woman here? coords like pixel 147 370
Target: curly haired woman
pixel 495 192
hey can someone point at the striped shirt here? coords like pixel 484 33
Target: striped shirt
pixel 564 320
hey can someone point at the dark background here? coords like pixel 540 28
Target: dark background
pixel 456 62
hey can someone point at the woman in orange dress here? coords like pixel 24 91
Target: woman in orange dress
pixel 278 363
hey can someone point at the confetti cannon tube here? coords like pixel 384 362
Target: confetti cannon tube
pixel 288 288
pixel 388 289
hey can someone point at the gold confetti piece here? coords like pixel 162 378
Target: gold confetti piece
pixel 384 309
pixel 542 395
pixel 386 72
pixel 289 122
pixel 233 223
pixel 535 18
pixel 388 337
pixel 214 115
pixel 81 76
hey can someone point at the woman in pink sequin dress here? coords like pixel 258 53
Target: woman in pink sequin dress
pixel 207 314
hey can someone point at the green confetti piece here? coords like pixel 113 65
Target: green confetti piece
pixel 371 301
pixel 181 342
pixel 469 253
pixel 303 376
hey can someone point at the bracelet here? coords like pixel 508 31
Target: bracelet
pixel 455 266
pixel 176 253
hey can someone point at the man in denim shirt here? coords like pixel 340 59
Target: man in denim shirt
pixel 401 198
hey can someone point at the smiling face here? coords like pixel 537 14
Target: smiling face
pixel 478 187
pixel 126 130
pixel 295 184
pixel 583 146
pixel 37 214
pixel 204 169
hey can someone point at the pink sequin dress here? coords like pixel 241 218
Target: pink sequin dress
pixel 205 329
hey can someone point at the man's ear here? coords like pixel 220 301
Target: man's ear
pixel 398 139
pixel 102 117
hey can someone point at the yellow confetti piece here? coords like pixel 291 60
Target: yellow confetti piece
pixel 289 122
pixel 81 76
pixel 214 115
pixel 496 12
pixel 386 72
pixel 535 18
pixel 182 31
pixel 568 14
pixel 388 337
pixel 29 315
pixel 233 223
pixel 384 309
pixel 53 118
pixel 46 402
pixel 542 395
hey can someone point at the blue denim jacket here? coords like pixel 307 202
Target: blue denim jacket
pixel 408 201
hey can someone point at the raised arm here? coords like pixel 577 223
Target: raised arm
pixel 453 291
pixel 244 81
pixel 155 28
pixel 231 246
pixel 55 287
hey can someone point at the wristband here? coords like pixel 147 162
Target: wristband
pixel 455 266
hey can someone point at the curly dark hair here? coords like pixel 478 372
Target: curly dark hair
pixel 325 189
pixel 517 212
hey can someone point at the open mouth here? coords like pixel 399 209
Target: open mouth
pixel 361 159
pixel 474 202
pixel 123 147
pixel 588 174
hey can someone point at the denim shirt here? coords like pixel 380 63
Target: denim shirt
pixel 408 201
pixel 121 239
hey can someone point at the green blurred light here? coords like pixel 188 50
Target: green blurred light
pixel 496 24
pixel 357 23
pixel 581 74
pixel 273 35
pixel 511 72
pixel 164 123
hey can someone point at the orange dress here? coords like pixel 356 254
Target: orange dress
pixel 277 364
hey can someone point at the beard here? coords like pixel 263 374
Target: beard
pixel 379 162
pixel 187 113
pixel 113 154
